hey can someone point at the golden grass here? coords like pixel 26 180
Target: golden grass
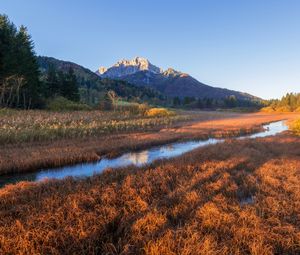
pixel 194 204
pixel 31 126
pixel 29 156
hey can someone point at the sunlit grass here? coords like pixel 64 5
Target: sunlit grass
pixel 189 205
pixel 28 126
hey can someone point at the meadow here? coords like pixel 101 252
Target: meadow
pixel 38 139
pixel 34 126
pixel 240 197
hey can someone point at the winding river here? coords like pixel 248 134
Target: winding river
pixel 139 158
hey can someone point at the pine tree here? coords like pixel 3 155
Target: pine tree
pixel 19 71
pixel 28 68
pixel 176 101
pixel 52 83
pixel 69 87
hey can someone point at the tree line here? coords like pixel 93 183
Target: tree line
pixel 19 71
pixel 57 83
pixel 288 103
pixel 20 83
pixel 212 103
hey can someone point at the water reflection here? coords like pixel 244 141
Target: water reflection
pixel 132 158
pixel 139 158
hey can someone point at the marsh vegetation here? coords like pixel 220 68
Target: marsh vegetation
pixel 189 205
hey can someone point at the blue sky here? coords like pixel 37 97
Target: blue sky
pixel 247 45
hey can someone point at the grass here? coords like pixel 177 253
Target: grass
pixel 36 154
pixel 194 204
pixel 63 104
pixel 31 126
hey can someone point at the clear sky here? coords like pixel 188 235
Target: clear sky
pixel 247 45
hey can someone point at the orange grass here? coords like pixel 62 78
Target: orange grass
pixel 30 156
pixel 194 204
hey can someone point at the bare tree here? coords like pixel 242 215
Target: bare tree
pixel 10 90
pixel 114 98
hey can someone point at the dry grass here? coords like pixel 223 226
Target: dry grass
pixel 159 112
pixel 32 126
pixel 30 156
pixel 195 204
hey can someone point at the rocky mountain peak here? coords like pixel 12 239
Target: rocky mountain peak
pixel 143 63
pixel 101 70
pixel 127 67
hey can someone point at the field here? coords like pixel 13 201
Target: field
pixel 37 126
pixel 239 197
pixel 31 139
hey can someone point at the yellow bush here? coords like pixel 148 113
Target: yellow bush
pixel 295 127
pixel 159 112
pixel 267 109
pixel 284 109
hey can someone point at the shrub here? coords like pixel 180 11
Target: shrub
pixel 7 111
pixel 63 104
pixel 295 127
pixel 159 112
pixel 284 109
pixel 133 108
pixel 267 109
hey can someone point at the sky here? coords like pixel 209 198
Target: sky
pixel 247 45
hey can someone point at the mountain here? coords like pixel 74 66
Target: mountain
pixel 171 83
pixel 127 67
pixel 92 87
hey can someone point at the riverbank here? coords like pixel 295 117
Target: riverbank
pixel 139 158
pixel 241 196
pixel 26 157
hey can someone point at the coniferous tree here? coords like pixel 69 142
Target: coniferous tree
pixel 70 87
pixel 176 101
pixel 19 71
pixel 28 68
pixel 52 83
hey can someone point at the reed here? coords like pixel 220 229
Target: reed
pixel 240 197
pixel 32 126
pixel 29 156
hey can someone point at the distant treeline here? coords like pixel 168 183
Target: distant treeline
pixel 211 103
pixel 58 84
pixel 288 103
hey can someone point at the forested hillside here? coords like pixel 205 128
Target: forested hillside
pixel 92 88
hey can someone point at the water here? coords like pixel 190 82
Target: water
pixel 133 158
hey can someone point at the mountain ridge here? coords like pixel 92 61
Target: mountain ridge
pixel 92 87
pixel 170 82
